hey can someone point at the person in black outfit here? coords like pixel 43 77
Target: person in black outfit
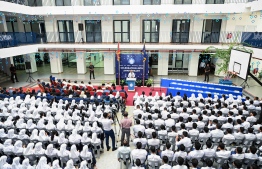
pixel 207 71
pixel 13 73
pixel 91 69
pixel 150 62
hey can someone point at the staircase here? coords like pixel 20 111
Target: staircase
pixel 4 77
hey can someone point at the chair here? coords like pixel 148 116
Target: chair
pixel 75 160
pixel 153 164
pixel 220 161
pixel 64 160
pixel 228 142
pixel 124 157
pixel 194 138
pixel 249 162
pixel 215 141
pixel 96 145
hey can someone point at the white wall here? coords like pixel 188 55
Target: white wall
pixel 81 63
pixel 107 31
pixel 109 63
pixel 193 64
pixel 162 67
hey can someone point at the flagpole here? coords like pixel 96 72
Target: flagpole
pixel 118 65
pixel 144 67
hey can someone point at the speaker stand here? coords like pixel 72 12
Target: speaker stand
pixel 30 78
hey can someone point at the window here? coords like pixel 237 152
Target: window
pixel 152 2
pixel 151 30
pixel 63 2
pixel 180 31
pixel 121 31
pixel 12 25
pixel 178 60
pixel 183 2
pixel 214 1
pixel 92 2
pixel 66 30
pixel 93 31
pixel 34 2
pixel 211 30
pixel 121 2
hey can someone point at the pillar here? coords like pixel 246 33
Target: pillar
pixel 109 63
pixel 20 25
pixel 3 26
pixel 162 63
pixel 6 63
pixel 31 58
pixel 193 64
pixel 81 63
pixel 56 62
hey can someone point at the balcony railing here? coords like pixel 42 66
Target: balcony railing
pixel 109 2
pixel 10 39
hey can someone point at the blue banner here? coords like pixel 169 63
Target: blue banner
pixel 132 62
pixel 253 39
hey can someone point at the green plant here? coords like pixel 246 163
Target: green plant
pixel 113 81
pixel 224 54
pixel 123 82
pixel 149 82
pixel 138 82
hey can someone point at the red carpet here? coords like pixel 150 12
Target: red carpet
pixel 130 94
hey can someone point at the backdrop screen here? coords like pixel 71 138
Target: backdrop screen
pixel 239 63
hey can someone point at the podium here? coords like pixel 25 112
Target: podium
pixel 131 84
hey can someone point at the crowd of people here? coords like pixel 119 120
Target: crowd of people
pixel 182 132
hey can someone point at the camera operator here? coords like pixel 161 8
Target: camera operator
pixel 126 123
pixel 107 122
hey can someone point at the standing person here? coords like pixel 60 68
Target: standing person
pixel 126 123
pixel 207 71
pixel 202 67
pixel 13 73
pixel 92 71
pixel 131 74
pixel 150 63
pixel 107 122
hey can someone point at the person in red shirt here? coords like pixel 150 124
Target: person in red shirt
pixel 126 123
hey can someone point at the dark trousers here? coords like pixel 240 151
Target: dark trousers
pixel 127 133
pixel 92 73
pixel 207 77
pixel 13 78
pixel 110 134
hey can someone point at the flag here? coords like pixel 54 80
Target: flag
pixel 118 52
pixel 144 53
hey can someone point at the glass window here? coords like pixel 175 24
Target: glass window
pixel 63 2
pixel 34 2
pixel 152 2
pixel 183 2
pixel 121 31
pixel 66 30
pixel 121 2
pixel 211 30
pixel 93 31
pixel 151 30
pixel 214 1
pixel 91 2
pixel 180 31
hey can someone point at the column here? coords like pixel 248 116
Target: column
pixel 20 26
pixel 3 26
pixel 195 33
pixel 31 58
pixel 109 63
pixel 193 64
pixel 81 63
pixel 162 63
pixel 6 63
pixel 56 62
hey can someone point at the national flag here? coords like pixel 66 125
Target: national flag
pixel 118 52
pixel 144 53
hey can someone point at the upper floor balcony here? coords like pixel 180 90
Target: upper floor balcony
pixel 119 7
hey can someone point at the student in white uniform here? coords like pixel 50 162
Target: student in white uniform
pixel 238 155
pixel 154 157
pixel 249 135
pixel 139 153
pixel 252 153
pixel 237 164
pixel 140 139
pixel 169 153
pixel 138 165
pixel 228 136
pixel 209 152
pixel 197 153
pixel 184 140
pixel 138 127
pixel 209 164
pixel 180 165
pixel 165 163
pixel 217 132
pixel 222 152
pixel 154 141
pixel 194 131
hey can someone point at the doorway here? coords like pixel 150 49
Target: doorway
pixel 205 59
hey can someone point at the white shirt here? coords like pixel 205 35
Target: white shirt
pixel 251 156
pixel 195 154
pixel 239 136
pixel 193 132
pixel 217 133
pixel 238 156
pixel 153 142
pixel 223 154
pixel 169 122
pixel 137 128
pixel 186 141
pixel 208 152
pixel 142 140
pixel 168 153
pixel 165 166
pixel 180 167
pixel 228 137
pixel 139 154
pixel 107 124
pixel 179 154
pixel 131 74
pixel 154 157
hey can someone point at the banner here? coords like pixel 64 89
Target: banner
pixel 132 62
pixel 252 39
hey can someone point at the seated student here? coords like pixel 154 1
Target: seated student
pixel 189 123
pixel 245 124
pixel 209 152
pixel 138 164
pixel 220 116
pixel 249 135
pixel 123 90
pixel 237 164
pixel 139 153
pixel 209 164
pixel 180 165
pixel 150 129
pixel 180 153
pixel 222 152
pixel 228 136
pixel 238 154
pixel 137 111
pixel 50 152
pixel 200 123
pixel 182 129
pixel 154 141
pixel 140 139
pixel 194 116
pixel 184 113
pixel 205 134
pixel 173 132
pixel 194 131
pixel 162 130
pixel 142 122
pixel 228 124
pixel 165 163
pixel 197 153
pixel 194 163
pixel 149 120
pixel 153 156
pixel 138 127
pixel 159 121
pixel 123 149
pixel 212 117
pixel 252 118
pixel 183 140
pixel 252 154
pixel 164 113
pixel 168 153
pixel 217 132
pixel 238 124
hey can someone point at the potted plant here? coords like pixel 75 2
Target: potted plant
pixel 123 82
pixel 149 82
pixel 139 83
pixel 224 55
pixel 103 83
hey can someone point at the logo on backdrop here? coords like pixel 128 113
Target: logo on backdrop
pixel 132 62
